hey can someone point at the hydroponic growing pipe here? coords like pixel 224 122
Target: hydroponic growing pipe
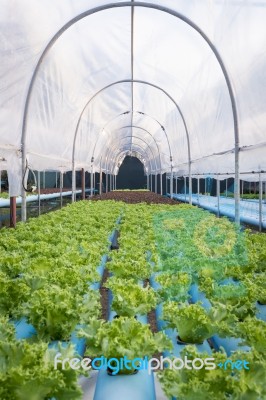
pixel 145 5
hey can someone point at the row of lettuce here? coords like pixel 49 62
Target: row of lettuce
pixel 47 269
pixel 49 264
pixel 180 247
pixel 227 266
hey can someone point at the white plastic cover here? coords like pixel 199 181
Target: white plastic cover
pixel 178 68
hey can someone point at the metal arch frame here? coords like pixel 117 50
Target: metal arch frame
pixel 113 149
pixel 135 151
pixel 145 5
pixel 136 137
pixel 108 122
pixel 125 151
pixel 138 112
pixel 145 130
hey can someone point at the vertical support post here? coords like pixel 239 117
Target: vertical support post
pixel 83 184
pixel 61 189
pixel 176 185
pixel 190 184
pixel 56 179
pixel 101 181
pixel 260 203
pixel 205 185
pixel 185 188
pixel 218 197
pixel 198 188
pixel 148 185
pixel 13 212
pixel 115 181
pixel 155 182
pixel 226 183
pixel 171 182
pixel 161 183
pixel 91 191
pixel 106 182
pixel 73 182
pixel 43 181
pixel 39 193
pixel 151 182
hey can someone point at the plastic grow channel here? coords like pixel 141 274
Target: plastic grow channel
pixel 35 197
pixel 139 386
pixel 249 210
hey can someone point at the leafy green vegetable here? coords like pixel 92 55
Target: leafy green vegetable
pixel 129 298
pixel 195 324
pixel 54 312
pixel 123 337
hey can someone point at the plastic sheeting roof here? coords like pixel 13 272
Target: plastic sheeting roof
pixel 115 82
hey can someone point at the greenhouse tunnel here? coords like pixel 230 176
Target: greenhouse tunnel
pixel 128 128
pixel 169 80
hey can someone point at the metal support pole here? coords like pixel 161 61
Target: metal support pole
pixel 101 182
pixel 91 191
pixel 176 185
pixel 43 182
pixel 93 181
pixel 106 182
pixel 155 182
pixel 205 186
pixel 61 189
pixel 190 184
pixel 161 183
pixel 226 183
pixel 56 179
pixel 260 203
pixel 171 182
pixel 39 193
pixel 198 188
pixel 83 184
pixel 13 212
pixel 73 182
pixel 151 182
pixel 185 187
pixel 218 197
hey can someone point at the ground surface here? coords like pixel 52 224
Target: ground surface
pixel 135 197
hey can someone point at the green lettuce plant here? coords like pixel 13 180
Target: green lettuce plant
pixel 174 286
pixel 195 324
pixel 239 296
pixel 223 383
pixel 54 312
pixel 123 337
pixel 129 298
pixel 27 372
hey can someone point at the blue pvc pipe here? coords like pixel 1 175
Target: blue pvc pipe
pixel 125 387
pixel 226 210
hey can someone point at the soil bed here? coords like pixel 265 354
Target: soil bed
pixel 133 197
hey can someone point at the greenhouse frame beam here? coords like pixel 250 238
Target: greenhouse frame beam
pixel 119 115
pixel 161 8
pixel 136 137
pixel 135 151
pixel 126 150
pixel 139 127
pixel 145 83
